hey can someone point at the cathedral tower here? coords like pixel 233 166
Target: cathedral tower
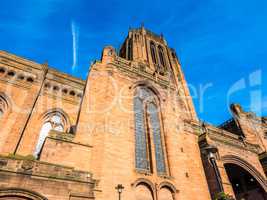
pixel 130 130
pixel 136 115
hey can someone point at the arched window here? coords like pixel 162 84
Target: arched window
pixel 52 121
pixel 148 131
pixel 3 106
pixel 161 56
pixel 153 52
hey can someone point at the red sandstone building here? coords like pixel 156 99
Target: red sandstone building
pixel 132 122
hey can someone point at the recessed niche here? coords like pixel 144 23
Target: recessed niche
pixel 11 73
pixel 30 79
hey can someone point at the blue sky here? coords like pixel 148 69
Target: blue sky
pixel 222 44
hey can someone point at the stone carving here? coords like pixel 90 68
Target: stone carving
pixel 27 165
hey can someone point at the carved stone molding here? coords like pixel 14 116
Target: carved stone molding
pixel 19 192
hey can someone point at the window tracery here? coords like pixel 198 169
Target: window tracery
pixel 53 121
pixel 148 131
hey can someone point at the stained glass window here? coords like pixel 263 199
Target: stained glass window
pixel 155 126
pixel 146 112
pixel 140 136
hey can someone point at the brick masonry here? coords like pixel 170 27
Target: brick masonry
pixel 96 150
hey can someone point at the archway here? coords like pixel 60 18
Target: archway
pixel 14 197
pixel 165 194
pixel 143 192
pixel 19 194
pixel 244 184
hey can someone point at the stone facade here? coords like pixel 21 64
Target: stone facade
pixel 65 138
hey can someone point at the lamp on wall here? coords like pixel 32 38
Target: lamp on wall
pixel 119 188
pixel 210 151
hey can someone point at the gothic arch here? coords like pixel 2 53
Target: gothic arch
pixel 61 112
pixel 20 193
pixel 54 119
pixel 149 85
pixel 231 159
pixel 149 130
pixel 6 100
pixel 5 107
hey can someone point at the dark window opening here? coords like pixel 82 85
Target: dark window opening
pixel 72 93
pixel 30 79
pixel 56 88
pixel 161 56
pixel 11 73
pixel 2 70
pixel 153 52
pixel 21 77
pixel 65 91
pixel 129 51
pixel 47 85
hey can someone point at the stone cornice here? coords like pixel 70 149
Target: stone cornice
pixel 233 141
pixel 65 78
pixel 65 137
pixel 22 63
pixel 70 100
pixel 214 134
pixel 15 83
pixel 43 170
pixel 35 70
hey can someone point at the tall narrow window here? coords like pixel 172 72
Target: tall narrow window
pixel 141 150
pixel 53 121
pixel 129 51
pixel 153 52
pixel 161 57
pixel 148 129
pixel 155 126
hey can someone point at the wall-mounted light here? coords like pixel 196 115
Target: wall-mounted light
pixel 119 188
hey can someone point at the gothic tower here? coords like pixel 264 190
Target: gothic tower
pixel 136 115
pixel 131 124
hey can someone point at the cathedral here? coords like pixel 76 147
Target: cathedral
pixel 128 132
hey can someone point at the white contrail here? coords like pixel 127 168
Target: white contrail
pixel 75 39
